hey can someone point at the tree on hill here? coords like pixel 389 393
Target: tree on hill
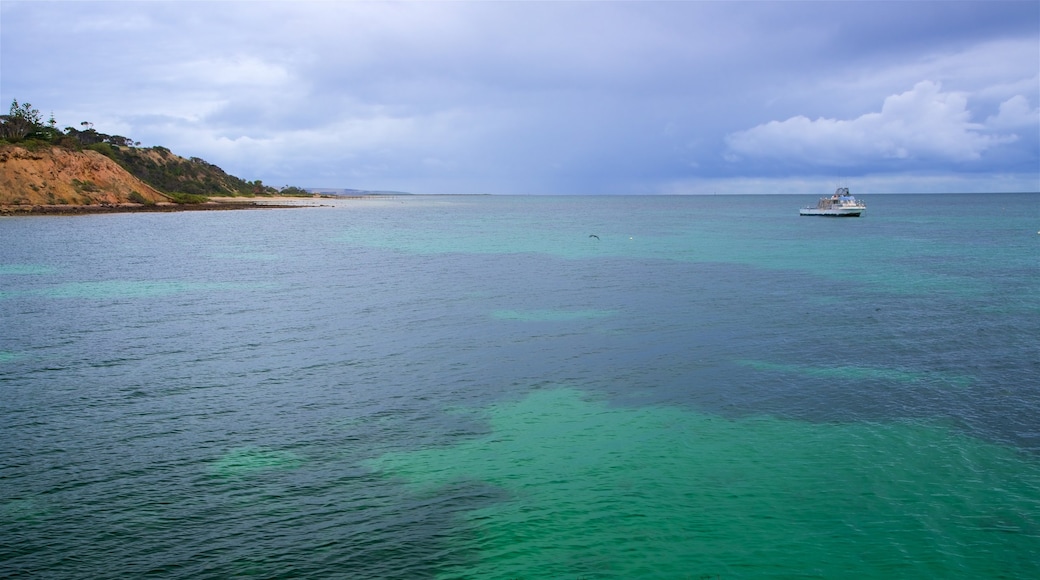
pixel 21 122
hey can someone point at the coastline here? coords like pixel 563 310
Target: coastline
pixel 215 204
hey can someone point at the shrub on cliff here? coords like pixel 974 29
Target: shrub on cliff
pixel 136 197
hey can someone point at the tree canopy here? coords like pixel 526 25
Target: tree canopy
pixel 24 122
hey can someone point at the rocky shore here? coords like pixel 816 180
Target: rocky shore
pixel 24 210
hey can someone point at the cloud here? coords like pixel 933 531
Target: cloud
pixel 923 123
pixel 1015 114
pixel 238 71
pixel 543 97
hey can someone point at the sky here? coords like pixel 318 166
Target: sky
pixel 542 97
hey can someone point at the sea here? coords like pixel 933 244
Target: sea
pixel 524 387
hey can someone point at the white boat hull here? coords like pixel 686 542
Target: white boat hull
pixel 831 212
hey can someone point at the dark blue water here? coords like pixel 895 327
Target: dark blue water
pixel 472 387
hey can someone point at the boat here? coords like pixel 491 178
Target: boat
pixel 841 204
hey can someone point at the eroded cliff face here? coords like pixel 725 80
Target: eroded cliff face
pixel 55 176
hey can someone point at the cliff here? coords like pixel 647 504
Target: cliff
pixel 53 176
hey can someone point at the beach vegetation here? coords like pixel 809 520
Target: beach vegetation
pixel 136 197
pixel 187 198
pixel 291 191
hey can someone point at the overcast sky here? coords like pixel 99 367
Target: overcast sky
pixel 552 97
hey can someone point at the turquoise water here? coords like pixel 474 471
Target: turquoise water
pixel 473 387
pixel 664 492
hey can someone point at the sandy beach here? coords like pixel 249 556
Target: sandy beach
pixel 278 200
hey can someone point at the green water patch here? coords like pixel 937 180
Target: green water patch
pixel 22 511
pixel 601 491
pixel 550 315
pixel 26 269
pixel 249 460
pixel 857 373
pixel 7 356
